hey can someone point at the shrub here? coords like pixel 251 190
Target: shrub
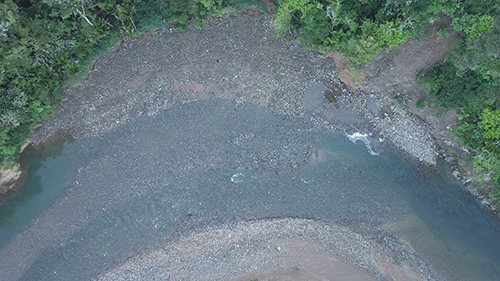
pixel 420 103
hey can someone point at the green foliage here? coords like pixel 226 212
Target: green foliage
pixel 42 45
pixel 476 95
pixel 483 26
pixel 315 28
pixel 362 28
pixel 152 14
pixel 358 28
pixel 490 124
pixel 197 11
pixel 194 11
pixel 480 53
pixel 420 103
pixel 290 13
pixel 247 4
pixel 488 157
pixel 470 81
pixel 443 32
pixel 470 91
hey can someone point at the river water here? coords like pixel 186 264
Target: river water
pixel 90 203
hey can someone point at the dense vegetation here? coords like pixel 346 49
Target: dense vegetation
pixel 359 29
pixel 44 43
pixel 469 80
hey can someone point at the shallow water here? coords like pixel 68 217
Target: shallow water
pixel 194 165
pixel 50 171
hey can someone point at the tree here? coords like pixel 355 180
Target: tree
pixel 488 158
pixel 480 51
pixel 357 28
pixel 123 11
pixel 66 9
pixel 14 52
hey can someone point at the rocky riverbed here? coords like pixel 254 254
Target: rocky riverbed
pixel 239 62
pixel 280 249
pixel 248 66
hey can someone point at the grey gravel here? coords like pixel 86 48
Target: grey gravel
pixel 238 61
pixel 244 62
pixel 394 123
pixel 218 253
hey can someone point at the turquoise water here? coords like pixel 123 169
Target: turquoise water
pixel 50 171
pixel 113 211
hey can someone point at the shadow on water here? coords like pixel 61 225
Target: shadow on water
pixel 46 177
pixel 31 160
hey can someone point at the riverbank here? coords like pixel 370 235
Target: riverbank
pixel 391 80
pixel 238 61
pixel 11 177
pixel 280 249
pixel 199 69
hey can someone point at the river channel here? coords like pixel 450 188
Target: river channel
pixel 89 203
pixel 209 127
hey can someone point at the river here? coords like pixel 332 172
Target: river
pixel 89 203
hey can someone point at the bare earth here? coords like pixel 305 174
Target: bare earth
pixel 395 74
pixel 391 78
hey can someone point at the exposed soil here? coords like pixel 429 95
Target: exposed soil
pixel 8 178
pixel 392 76
pixel 11 178
pixel 391 80
pixel 395 74
pixel 390 88
pixel 308 261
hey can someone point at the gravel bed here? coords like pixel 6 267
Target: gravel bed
pixel 229 60
pixel 390 121
pixel 218 253
pixel 239 61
